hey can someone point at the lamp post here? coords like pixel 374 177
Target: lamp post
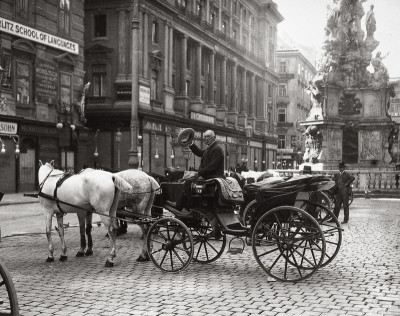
pixel 249 132
pixel 187 153
pixel 118 138
pixel 133 152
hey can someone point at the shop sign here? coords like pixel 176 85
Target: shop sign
pixel 144 95
pixel 37 36
pixel 7 128
pixel 46 81
pixel 152 126
pixel 202 117
pixel 38 130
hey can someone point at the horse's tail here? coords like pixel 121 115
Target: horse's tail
pixel 155 189
pixel 121 184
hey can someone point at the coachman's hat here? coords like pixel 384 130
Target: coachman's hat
pixel 186 137
pixel 341 165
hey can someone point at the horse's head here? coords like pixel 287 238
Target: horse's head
pixel 45 169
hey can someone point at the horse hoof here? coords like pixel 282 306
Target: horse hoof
pixel 109 264
pixel 141 259
pixel 89 252
pixel 80 254
pixel 49 259
pixel 63 258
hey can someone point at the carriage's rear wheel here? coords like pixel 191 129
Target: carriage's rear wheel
pixel 332 232
pixel 8 294
pixel 206 247
pixel 288 243
pixel 170 244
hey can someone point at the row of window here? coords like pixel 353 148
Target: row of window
pixel 24 8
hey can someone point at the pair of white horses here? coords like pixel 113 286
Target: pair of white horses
pixel 98 191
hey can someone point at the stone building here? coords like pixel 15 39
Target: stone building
pixel 204 64
pixel 293 104
pixel 41 81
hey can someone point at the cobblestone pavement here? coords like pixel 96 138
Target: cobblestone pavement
pixel 364 279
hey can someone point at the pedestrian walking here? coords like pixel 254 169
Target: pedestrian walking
pixel 343 181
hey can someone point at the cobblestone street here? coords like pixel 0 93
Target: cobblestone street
pixel 364 279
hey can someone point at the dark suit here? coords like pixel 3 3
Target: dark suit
pixel 342 184
pixel 212 161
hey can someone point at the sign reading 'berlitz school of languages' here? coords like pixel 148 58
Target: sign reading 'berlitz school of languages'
pixel 29 33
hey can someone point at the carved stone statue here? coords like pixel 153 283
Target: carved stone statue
pixel 370 22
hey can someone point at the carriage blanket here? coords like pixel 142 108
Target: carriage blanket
pixel 230 191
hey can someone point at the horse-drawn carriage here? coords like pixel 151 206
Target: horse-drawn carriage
pixel 291 236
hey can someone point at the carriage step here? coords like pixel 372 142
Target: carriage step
pixel 238 249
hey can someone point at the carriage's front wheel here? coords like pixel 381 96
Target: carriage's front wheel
pixel 288 244
pixel 8 294
pixel 170 244
pixel 207 248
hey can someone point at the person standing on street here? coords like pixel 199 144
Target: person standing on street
pixel 343 181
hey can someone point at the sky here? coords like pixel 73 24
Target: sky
pixel 305 21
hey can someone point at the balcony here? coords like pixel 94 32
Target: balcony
pixel 286 76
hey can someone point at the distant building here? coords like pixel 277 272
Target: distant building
pixel 41 60
pixel 203 64
pixel 293 105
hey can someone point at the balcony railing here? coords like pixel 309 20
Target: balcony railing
pixel 368 183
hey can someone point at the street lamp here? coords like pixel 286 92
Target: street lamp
pixel 156 156
pixel 249 132
pixel 96 153
pixel 187 153
pixel 118 138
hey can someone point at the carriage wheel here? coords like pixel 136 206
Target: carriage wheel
pixel 351 197
pixel 206 248
pixel 330 226
pixel 248 212
pixel 8 294
pixel 326 201
pixel 288 243
pixel 332 232
pixel 170 244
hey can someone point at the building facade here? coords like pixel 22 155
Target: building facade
pixel 293 105
pixel 204 64
pixel 41 78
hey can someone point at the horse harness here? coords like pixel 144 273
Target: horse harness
pixel 64 176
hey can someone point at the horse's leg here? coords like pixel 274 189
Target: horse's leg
pixel 89 250
pixel 145 207
pixel 60 222
pixel 81 219
pixel 144 256
pixel 112 227
pixel 49 220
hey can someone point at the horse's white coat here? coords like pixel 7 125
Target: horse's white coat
pixel 96 189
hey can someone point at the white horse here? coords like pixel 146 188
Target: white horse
pixel 139 200
pixel 97 191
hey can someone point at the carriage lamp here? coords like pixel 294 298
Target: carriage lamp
pixel 118 138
